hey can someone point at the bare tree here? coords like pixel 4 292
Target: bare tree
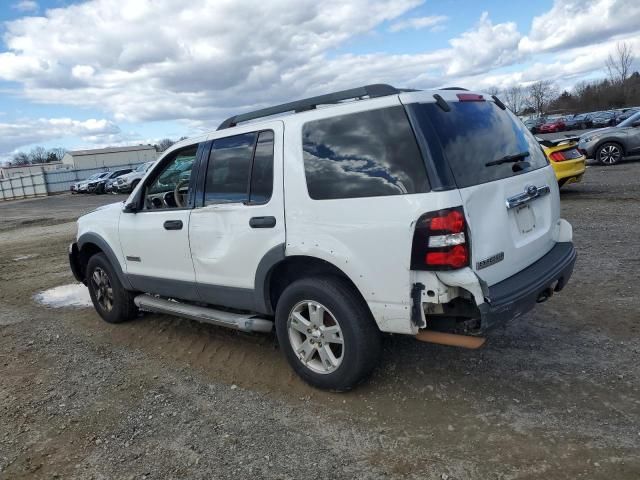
pixel 619 64
pixel 514 98
pixel 540 94
pixel 58 153
pixel 493 90
pixel 20 158
pixel 38 155
pixel 164 144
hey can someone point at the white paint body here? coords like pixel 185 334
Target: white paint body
pixel 369 239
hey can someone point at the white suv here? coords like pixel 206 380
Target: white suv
pixel 426 213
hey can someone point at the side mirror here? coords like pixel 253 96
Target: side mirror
pixel 130 208
pixel 134 205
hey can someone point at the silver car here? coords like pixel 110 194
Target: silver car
pixel 610 145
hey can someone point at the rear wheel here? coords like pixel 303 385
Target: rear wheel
pixel 134 184
pixel 110 299
pixel 609 153
pixel 327 333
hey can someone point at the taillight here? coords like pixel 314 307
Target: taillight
pixel 557 157
pixel 470 97
pixel 570 154
pixel 440 241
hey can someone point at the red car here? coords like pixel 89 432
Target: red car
pixel 552 126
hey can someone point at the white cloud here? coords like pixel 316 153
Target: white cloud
pixel 433 22
pixel 29 131
pixel 207 59
pixel 575 23
pixel 26 6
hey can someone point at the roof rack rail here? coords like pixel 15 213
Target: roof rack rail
pixel 455 88
pixel 371 91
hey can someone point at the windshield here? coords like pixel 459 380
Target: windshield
pixel 472 136
pixel 94 176
pixel 142 168
pixel 629 121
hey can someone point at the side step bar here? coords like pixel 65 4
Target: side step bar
pixel 237 321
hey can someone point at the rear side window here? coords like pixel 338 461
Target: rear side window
pixel 473 134
pixel 240 169
pixel 365 154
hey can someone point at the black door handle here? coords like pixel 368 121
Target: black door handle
pixel 262 222
pixel 173 225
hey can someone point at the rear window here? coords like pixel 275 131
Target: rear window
pixel 365 154
pixel 473 134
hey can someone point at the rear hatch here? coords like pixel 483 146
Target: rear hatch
pixel 508 190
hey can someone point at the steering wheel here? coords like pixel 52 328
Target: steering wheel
pixel 177 196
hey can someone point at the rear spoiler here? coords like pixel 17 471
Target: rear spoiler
pixel 558 141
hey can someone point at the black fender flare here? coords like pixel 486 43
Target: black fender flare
pixel 101 243
pixel 261 291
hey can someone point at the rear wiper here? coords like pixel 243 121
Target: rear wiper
pixel 516 157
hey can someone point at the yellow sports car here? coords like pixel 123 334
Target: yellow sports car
pixel 566 160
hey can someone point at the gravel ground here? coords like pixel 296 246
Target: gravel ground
pixel 553 394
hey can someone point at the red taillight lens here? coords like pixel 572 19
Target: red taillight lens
pixel 440 241
pixel 451 222
pixel 557 156
pixel 455 257
pixel 470 97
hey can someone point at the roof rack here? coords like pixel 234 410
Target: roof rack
pixel 371 91
pixel 455 88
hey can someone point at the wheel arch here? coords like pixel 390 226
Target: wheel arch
pixel 291 268
pixel 615 140
pixel 91 243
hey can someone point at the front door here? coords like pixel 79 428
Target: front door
pixel 240 217
pixel 155 240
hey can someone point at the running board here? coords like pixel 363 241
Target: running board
pixel 237 321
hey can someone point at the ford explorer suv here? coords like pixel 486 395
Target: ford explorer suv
pixel 337 219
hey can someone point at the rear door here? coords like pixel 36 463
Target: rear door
pixel 239 218
pixel 512 207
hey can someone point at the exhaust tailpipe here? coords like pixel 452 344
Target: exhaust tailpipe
pixel 451 339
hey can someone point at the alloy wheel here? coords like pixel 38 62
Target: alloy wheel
pixel 316 337
pixel 610 154
pixel 102 288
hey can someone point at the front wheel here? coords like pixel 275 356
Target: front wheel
pixel 327 333
pixel 110 299
pixel 609 153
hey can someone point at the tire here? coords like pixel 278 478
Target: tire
pixel 583 126
pixel 134 184
pixel 609 153
pixel 355 347
pixel 112 302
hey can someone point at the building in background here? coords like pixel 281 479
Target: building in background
pixel 110 157
pixel 31 169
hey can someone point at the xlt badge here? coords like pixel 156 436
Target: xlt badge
pixel 487 262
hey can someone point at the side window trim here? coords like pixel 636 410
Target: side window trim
pixel 208 156
pixel 251 202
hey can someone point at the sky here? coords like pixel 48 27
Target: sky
pixel 95 73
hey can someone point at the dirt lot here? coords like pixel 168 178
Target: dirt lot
pixel 554 394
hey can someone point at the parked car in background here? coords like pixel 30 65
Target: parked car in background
pixel 603 119
pixel 100 185
pixel 610 145
pixel 126 183
pixel 626 114
pixel 81 186
pixel 569 164
pixel 336 224
pixel 580 121
pixel 533 124
pixel 552 126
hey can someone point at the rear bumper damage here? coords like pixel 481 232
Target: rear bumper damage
pixel 518 294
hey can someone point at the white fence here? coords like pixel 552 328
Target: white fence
pixel 33 185
pixel 45 183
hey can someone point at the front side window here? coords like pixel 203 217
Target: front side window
pixel 240 169
pixel 170 188
pixel 365 154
